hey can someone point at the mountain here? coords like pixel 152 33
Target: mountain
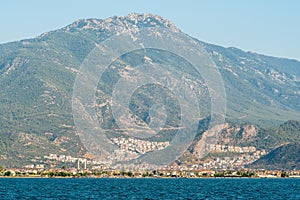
pixel 234 137
pixel 284 157
pixel 37 79
pixel 261 138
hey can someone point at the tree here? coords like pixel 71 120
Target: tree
pixel 123 173
pixel 219 175
pixel 84 174
pixel 284 174
pixel 130 174
pixel 51 174
pixel 7 173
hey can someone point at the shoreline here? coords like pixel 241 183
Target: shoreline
pixel 97 177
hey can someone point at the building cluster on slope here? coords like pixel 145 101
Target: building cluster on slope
pixel 234 162
pixel 242 156
pixel 227 148
pixel 64 158
pixel 139 146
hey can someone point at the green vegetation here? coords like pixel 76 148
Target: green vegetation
pixel 284 174
pixel 261 138
pixel 149 174
pixel 37 77
pixel 284 157
pixel 7 173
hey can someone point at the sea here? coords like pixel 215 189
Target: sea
pixel 149 188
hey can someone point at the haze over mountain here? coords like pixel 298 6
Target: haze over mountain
pixel 37 77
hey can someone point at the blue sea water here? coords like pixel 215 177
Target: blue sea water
pixel 89 188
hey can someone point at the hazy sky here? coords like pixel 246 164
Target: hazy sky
pixel 269 27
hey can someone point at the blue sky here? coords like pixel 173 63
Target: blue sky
pixel 270 27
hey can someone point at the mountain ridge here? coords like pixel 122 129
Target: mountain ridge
pixel 37 77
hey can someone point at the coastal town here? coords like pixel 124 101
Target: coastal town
pixel 54 165
pixel 225 157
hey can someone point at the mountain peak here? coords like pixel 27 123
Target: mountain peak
pixel 120 23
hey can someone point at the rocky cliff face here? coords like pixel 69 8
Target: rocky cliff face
pixel 117 24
